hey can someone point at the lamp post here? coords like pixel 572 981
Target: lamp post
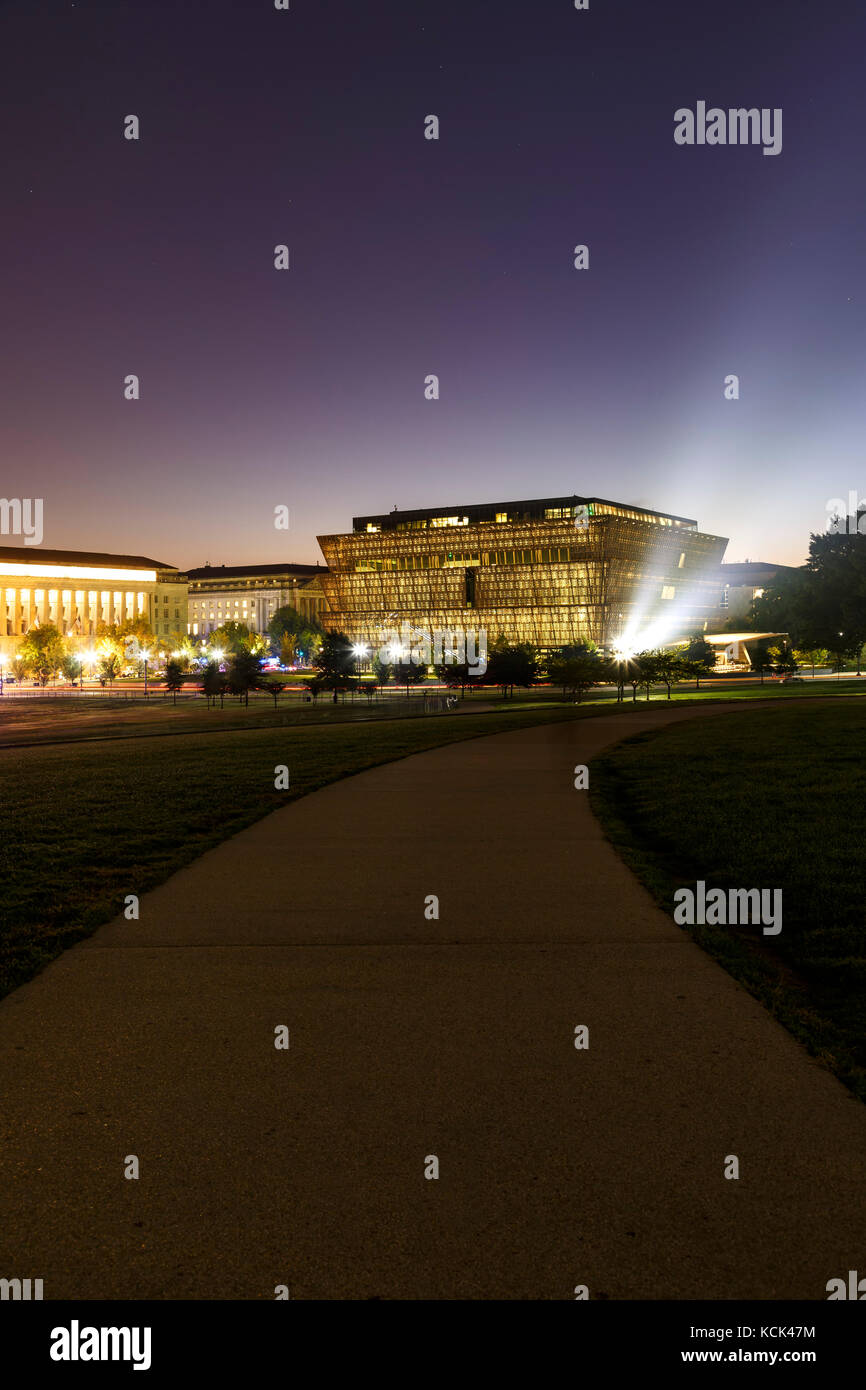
pixel 145 656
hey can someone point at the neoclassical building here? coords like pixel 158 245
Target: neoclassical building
pixel 78 590
pixel 251 594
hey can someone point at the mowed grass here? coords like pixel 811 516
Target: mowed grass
pixel 85 824
pixel 769 799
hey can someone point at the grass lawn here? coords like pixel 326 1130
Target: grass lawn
pixel 772 799
pixel 86 822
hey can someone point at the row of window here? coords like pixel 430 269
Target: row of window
pixel 550 514
pixel 530 555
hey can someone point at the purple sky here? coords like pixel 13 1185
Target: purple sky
pixel 410 257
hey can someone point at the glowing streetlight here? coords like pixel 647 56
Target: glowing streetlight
pixel 90 656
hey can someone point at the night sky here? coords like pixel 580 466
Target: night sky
pixel 306 388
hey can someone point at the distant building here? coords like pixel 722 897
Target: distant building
pixel 738 585
pixel 251 594
pixel 550 571
pixel 77 591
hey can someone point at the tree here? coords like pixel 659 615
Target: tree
pixel 139 628
pixel 289 631
pixel 335 663
pixel 817 656
pixel 71 666
pixel 457 675
pixel 244 674
pixel 409 673
pixel 109 666
pixel 822 604
pixel 232 637
pixel 174 678
pixel 700 650
pixel 213 683
pixel 275 688
pixel 42 652
pixel 668 668
pixel 184 652
pixel 382 670
pixel 762 659
pixel 836 590
pixel 309 644
pixel 137 652
pixel 116 635
pixel 784 661
pixel 692 671
pixel 512 665
pixel 577 672
pixel 648 672
pixel 643 671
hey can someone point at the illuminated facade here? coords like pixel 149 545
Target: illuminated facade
pixel 738 585
pixel 549 571
pixel 251 594
pixel 77 591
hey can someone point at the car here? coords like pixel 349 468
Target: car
pixel 789 680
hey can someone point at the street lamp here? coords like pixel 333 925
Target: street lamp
pixel 145 656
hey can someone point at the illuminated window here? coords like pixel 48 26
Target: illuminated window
pixel 682 560
pixel 668 591
pixel 501 516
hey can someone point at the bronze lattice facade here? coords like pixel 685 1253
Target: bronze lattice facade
pixel 552 572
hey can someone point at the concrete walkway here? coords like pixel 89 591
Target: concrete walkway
pixel 410 1038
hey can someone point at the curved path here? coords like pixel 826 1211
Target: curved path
pixel 412 1037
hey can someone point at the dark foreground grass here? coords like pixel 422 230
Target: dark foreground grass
pixel 770 799
pixel 84 824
